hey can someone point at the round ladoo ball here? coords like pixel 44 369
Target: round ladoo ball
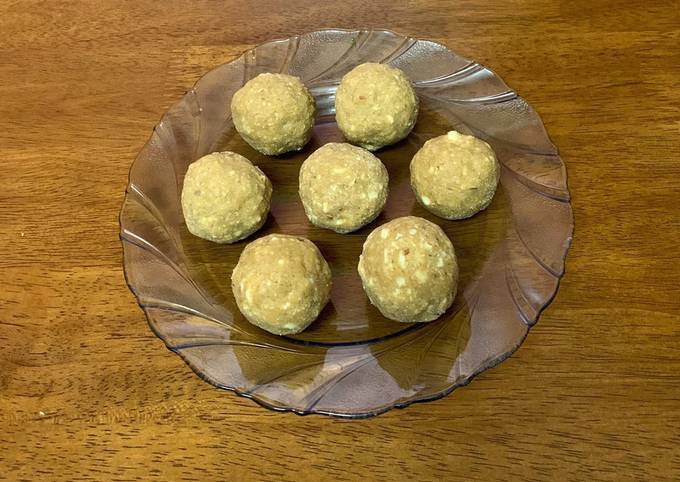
pixel 343 187
pixel 225 198
pixel 375 105
pixel 409 270
pixel 455 176
pixel 281 283
pixel 274 113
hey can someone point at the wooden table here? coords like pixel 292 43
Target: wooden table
pixel 88 392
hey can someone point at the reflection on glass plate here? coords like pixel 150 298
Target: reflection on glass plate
pixel 351 362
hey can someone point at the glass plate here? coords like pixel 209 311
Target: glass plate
pixel 351 362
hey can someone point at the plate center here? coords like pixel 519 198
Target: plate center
pixel 349 317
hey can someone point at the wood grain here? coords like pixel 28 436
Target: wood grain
pixel 88 393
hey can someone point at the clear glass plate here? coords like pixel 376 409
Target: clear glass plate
pixel 351 362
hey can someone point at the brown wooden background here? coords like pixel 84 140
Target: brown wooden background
pixel 86 390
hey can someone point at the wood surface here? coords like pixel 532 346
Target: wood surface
pixel 87 392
